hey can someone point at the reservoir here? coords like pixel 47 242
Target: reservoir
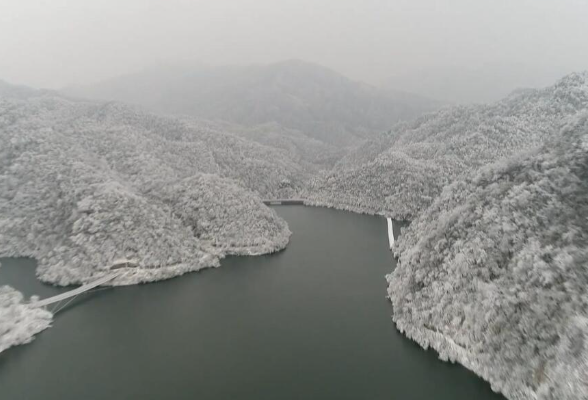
pixel 310 322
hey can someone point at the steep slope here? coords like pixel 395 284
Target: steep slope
pixel 400 173
pixel 495 273
pixel 297 95
pixel 83 184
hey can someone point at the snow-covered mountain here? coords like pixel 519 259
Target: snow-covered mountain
pixel 85 183
pixel 492 271
pixel 401 172
pixel 494 274
pixel 296 95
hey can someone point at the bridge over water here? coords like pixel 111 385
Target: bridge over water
pixel 77 291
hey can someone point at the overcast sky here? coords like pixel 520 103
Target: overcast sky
pixel 52 43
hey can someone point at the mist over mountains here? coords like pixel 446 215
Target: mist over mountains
pixel 318 102
pixel 465 85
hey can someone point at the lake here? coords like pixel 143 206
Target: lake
pixel 310 322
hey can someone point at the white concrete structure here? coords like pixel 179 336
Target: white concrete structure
pixel 390 232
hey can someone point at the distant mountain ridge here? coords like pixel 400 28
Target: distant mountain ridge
pixel 315 100
pixel 19 91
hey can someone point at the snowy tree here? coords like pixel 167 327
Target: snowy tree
pixel 19 322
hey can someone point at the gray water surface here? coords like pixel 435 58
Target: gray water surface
pixel 311 322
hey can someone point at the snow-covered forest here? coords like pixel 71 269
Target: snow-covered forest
pixel 495 273
pixel 83 184
pixel 492 271
pixel 401 172
pixel 19 323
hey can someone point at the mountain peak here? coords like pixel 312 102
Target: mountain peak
pixel 296 94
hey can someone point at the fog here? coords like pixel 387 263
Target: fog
pixel 456 50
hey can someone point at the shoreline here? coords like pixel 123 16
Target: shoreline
pixel 443 346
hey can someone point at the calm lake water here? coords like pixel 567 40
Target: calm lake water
pixel 311 322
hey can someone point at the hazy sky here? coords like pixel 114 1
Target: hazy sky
pixel 52 43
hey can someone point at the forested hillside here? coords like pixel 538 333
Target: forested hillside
pixel 294 94
pixel 401 172
pixel 311 153
pixel 495 273
pixel 83 184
